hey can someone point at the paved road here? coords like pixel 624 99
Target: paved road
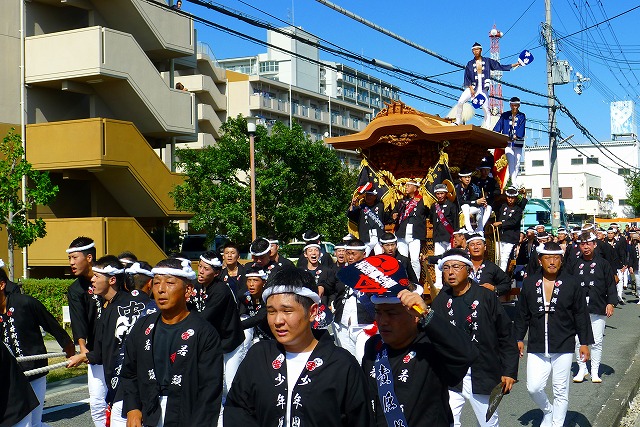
pixel 66 402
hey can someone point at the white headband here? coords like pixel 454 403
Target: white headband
pixel 126 261
pixel 394 240
pixel 413 183
pixel 356 248
pixel 215 262
pixel 542 251
pixel 592 238
pixel 136 269
pixel 310 245
pixel 282 289
pixel 476 237
pixel 266 251
pixel 454 258
pixel 340 247
pixel 274 242
pixel 186 271
pixel 81 248
pixel 260 273
pixel 108 270
pixel 307 239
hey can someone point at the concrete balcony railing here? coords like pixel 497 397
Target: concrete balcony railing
pixel 207 90
pixel 111 236
pixel 116 154
pixel 161 32
pixel 112 65
pixel 208 120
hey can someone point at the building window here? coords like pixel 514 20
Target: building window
pixel 269 66
pixel 535 163
pixel 622 202
pixel 592 160
pixel 529 193
pixel 624 171
pixel 577 161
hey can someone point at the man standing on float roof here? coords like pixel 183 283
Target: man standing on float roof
pixel 512 124
pixel 477 79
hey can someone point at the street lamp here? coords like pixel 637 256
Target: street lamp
pixel 251 128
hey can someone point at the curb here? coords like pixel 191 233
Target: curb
pixel 618 403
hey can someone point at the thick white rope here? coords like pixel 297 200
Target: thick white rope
pixel 40 357
pixel 45 369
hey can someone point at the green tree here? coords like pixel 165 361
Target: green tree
pixel 633 191
pixel 300 184
pixel 21 230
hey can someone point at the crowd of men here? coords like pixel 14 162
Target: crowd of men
pixel 230 343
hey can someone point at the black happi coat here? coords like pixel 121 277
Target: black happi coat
pixel 417 218
pixel 526 251
pixel 450 211
pixel 597 277
pixel 84 309
pixel 490 187
pixel 404 261
pixel 490 330
pixel 469 195
pixel 437 359
pixel 368 218
pixel 568 315
pixel 619 246
pixel 257 319
pixel 112 329
pixel 490 273
pixel 12 288
pixel 20 330
pixel 331 390
pixel 17 398
pixel 195 393
pixel 221 310
pixel 237 284
pixel 511 217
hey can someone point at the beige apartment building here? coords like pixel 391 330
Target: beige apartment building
pixel 103 117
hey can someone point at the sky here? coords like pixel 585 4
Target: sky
pixel 608 54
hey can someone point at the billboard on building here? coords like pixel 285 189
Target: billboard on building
pixel 623 121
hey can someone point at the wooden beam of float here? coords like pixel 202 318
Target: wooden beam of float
pixel 407 142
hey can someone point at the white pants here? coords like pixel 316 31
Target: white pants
pixel 97 394
pixel 479 404
pixel 637 279
pixel 505 251
pixel 231 362
pixel 623 279
pixel 163 410
pixel 351 338
pixel 23 422
pixel 438 249
pixel 39 386
pixel 482 214
pixel 514 157
pixel 539 366
pixel 118 419
pixel 466 96
pixel 410 247
pixel 598 322
pixel 373 247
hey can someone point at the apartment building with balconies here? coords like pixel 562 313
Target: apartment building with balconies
pixel 102 115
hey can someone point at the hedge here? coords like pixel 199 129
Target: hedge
pixel 50 292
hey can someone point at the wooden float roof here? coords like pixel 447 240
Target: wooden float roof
pixel 399 124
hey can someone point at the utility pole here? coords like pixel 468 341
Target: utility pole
pixel 553 141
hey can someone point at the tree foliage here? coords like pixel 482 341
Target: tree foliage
pixel 300 184
pixel 633 191
pixel 21 230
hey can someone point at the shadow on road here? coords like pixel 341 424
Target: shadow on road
pixel 66 414
pixel 534 417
